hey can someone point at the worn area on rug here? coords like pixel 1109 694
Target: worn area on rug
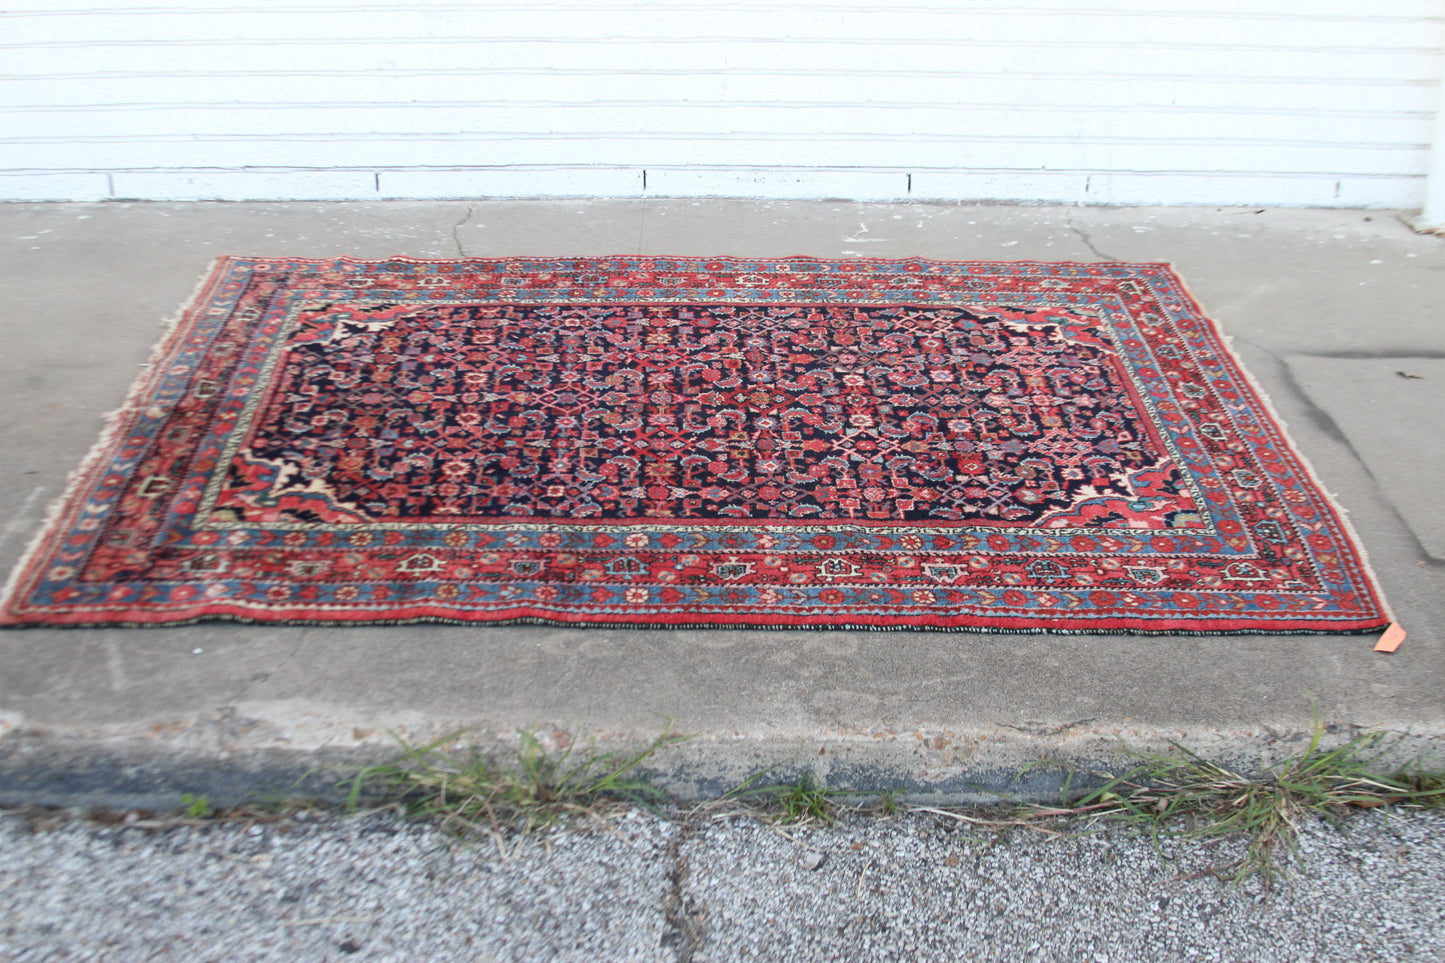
pixel 793 442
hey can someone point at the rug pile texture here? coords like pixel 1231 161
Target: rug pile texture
pixel 697 442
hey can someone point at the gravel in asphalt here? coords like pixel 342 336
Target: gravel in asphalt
pixel 911 887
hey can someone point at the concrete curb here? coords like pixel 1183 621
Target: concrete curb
pixel 980 768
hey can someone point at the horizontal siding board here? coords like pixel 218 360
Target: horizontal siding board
pixel 603 148
pixel 1242 9
pixel 726 23
pixel 546 87
pixel 684 121
pixel 851 62
pixel 1060 187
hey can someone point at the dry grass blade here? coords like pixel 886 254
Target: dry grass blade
pixel 1029 820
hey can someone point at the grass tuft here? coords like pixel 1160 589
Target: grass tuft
pixel 468 792
pixel 197 807
pixel 1167 791
pixel 802 801
pixel 806 800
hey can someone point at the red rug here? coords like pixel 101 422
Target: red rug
pixel 647 441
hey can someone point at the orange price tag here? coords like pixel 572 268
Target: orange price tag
pixel 1392 638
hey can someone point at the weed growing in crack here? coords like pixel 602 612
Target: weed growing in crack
pixel 467 792
pixel 1184 794
pixel 805 800
pixel 197 807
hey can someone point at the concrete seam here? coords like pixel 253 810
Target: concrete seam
pixel 684 919
pixel 1327 423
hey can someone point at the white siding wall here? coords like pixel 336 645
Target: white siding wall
pixel 1268 102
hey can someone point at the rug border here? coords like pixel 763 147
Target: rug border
pixel 173 327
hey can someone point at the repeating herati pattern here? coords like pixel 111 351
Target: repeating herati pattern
pixel 672 441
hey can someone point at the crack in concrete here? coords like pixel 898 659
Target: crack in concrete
pixel 1046 730
pixel 1088 241
pixel 456 237
pixel 684 918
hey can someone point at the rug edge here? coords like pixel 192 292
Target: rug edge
pixel 1291 448
pixel 112 424
pixel 996 630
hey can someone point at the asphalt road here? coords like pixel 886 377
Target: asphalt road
pixel 910 887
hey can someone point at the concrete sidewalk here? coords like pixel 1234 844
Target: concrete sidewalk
pixel 1338 315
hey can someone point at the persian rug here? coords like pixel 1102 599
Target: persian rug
pixel 667 441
